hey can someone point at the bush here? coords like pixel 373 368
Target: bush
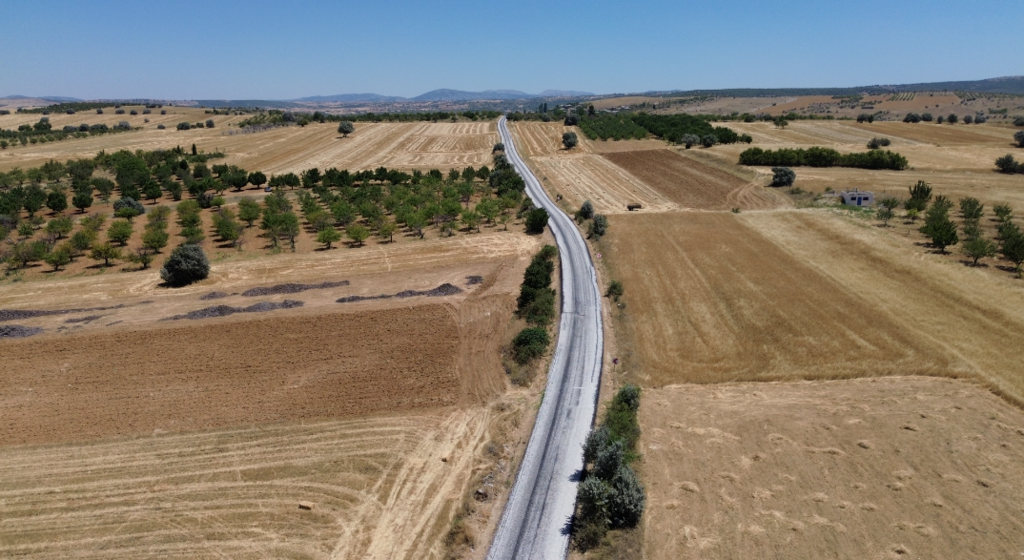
pixel 952 118
pixel 530 343
pixel 160 127
pixel 536 220
pixel 569 140
pixel 689 140
pixel 184 126
pixel 876 143
pixel 598 227
pixel 587 210
pixel 209 123
pixel 615 290
pixel 926 117
pixel 1007 164
pixel 187 264
pixel 912 118
pixel 128 202
pixel 708 140
pixel 1019 138
pixel 345 128
pixel 783 177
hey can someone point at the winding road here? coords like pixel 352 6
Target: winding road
pixel 535 523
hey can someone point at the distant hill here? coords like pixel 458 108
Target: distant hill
pixel 564 93
pixel 54 98
pixel 1008 84
pixel 351 98
pixel 457 95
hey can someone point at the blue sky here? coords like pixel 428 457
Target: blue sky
pixel 230 49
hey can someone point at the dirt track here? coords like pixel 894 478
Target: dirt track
pixel 870 468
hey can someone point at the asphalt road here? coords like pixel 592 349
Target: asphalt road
pixel 536 519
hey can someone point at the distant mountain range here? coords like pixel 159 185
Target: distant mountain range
pixel 53 98
pixel 441 95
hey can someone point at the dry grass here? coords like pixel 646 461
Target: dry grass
pixel 378 485
pixel 805 295
pixel 870 468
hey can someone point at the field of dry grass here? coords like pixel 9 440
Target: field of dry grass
pixel 868 468
pixel 281 150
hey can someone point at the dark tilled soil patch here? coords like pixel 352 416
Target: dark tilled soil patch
pixel 213 295
pixel 18 331
pixel 86 319
pixel 471 280
pixel 445 289
pixel 225 310
pixel 17 314
pixel 290 288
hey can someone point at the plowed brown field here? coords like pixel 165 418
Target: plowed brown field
pixel 805 295
pixel 870 468
pixel 692 184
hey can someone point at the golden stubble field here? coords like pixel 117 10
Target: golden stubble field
pixel 867 468
pixel 815 384
pixel 292 149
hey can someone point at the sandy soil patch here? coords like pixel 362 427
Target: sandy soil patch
pixel 790 295
pixel 871 468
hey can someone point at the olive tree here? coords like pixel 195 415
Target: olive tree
pixel 345 128
pixel 187 264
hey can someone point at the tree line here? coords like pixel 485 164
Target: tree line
pixel 678 129
pixel 279 117
pixel 823 157
pixel 43 131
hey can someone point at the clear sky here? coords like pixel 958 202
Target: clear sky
pixel 259 49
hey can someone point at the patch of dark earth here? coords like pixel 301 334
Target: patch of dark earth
pixel 291 288
pixel 86 319
pixel 17 314
pixel 471 280
pixel 445 289
pixel 225 310
pixel 213 295
pixel 18 331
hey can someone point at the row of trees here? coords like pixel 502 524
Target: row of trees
pixel 823 157
pixel 43 132
pixel 610 495
pixel 278 117
pixel 943 232
pixel 536 304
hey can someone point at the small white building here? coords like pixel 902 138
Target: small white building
pixel 858 198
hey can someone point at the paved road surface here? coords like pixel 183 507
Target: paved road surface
pixel 535 523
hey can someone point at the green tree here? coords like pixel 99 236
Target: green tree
pixel 155 239
pixel 58 257
pixel 105 252
pixel 257 178
pixel 920 195
pixel 59 227
pixel 1013 248
pixel 471 219
pixel 1007 164
pixel 387 230
pixel 328 237
pixel 345 128
pixel 120 232
pixel 81 241
pixel 1002 212
pixel 530 343
pixel 783 177
pixel 977 247
pixel 28 252
pixel 57 201
pixel 598 227
pixel 952 118
pixel 25 229
pixel 536 220
pixel 886 209
pixel 186 264
pixel 570 140
pixel 689 140
pixel 357 233
pixel 82 200
pixel 103 186
pixel 249 210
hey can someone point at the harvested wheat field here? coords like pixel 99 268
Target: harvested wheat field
pixel 867 468
pixel 607 186
pixel 377 487
pixel 691 184
pixel 279 150
pixel 718 297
